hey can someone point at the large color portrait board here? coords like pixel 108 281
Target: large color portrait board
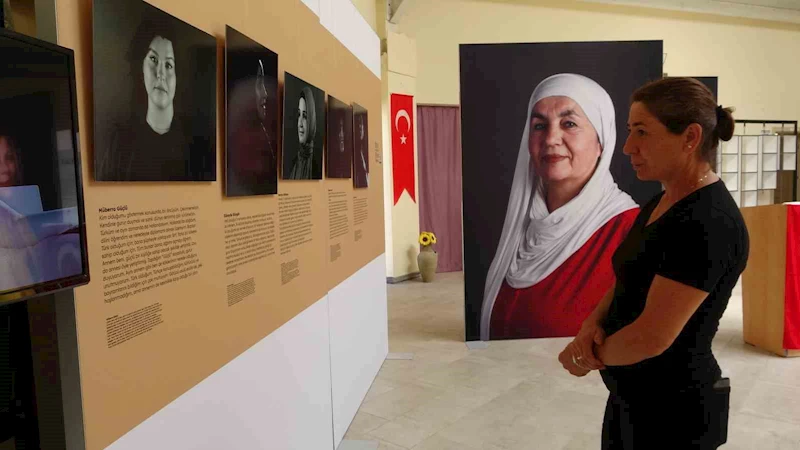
pixel 547 190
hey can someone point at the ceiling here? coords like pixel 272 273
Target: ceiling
pixel 780 4
pixel 773 10
pixel 786 11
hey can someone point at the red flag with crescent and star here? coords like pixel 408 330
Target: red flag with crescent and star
pixel 402 110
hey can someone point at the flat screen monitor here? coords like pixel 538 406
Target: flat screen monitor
pixel 42 227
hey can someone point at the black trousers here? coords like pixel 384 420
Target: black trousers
pixel 695 420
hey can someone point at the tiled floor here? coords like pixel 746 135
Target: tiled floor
pixel 514 394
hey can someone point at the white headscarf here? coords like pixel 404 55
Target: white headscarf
pixel 535 242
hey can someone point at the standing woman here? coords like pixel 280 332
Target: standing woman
pixel 303 166
pixel 651 337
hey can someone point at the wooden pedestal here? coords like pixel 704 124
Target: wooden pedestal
pixel 764 280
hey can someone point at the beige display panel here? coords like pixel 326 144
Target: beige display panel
pixel 193 279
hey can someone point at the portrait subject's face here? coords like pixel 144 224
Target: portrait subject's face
pixel 159 73
pixel 341 136
pixel 8 164
pixel 563 144
pixel 261 95
pixel 302 121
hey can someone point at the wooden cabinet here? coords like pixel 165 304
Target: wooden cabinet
pixel 764 289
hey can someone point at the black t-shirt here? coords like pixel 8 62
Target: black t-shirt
pixel 137 153
pixel 702 241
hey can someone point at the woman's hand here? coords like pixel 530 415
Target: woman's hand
pixel 583 345
pixel 565 358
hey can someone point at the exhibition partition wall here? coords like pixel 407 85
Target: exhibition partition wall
pixel 188 282
pixel 557 113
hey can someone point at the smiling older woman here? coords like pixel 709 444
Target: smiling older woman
pixel 565 216
pixel 675 271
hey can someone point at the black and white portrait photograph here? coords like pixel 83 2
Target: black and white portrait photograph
pixel 303 129
pixel 548 193
pixel 251 150
pixel 339 159
pixel 360 147
pixel 154 95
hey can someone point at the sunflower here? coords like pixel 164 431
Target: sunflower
pixel 424 239
pixel 427 238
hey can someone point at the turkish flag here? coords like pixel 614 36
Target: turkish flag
pixel 402 110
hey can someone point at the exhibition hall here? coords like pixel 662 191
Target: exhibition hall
pixel 399 225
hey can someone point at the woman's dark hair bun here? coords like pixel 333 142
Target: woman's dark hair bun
pixel 725 123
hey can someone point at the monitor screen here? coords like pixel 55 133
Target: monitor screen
pixel 42 229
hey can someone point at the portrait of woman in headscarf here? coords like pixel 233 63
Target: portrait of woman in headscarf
pixel 361 147
pixel 565 216
pixel 303 164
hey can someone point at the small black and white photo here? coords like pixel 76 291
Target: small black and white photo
pixel 154 95
pixel 251 150
pixel 303 129
pixel 339 161
pixel 360 147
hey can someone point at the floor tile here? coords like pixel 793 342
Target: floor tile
pixel 437 442
pixel 351 444
pixel 746 431
pixel 449 407
pixel 400 400
pixel 364 422
pixel 584 441
pixel 514 395
pixel 404 432
pixel 382 445
pixel 379 387
pixel 774 401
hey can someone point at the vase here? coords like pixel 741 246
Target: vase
pixel 428 261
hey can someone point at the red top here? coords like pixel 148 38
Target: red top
pixel 558 305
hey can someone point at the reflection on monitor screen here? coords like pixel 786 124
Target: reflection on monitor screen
pixel 42 232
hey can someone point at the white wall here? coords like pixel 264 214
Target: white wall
pixel 359 340
pixel 402 219
pixel 297 389
pixel 345 22
pixel 756 61
pixel 276 395
pixel 368 10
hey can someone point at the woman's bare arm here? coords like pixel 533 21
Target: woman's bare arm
pixel 601 311
pixel 669 307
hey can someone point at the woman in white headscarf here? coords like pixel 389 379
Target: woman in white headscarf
pixel 565 216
